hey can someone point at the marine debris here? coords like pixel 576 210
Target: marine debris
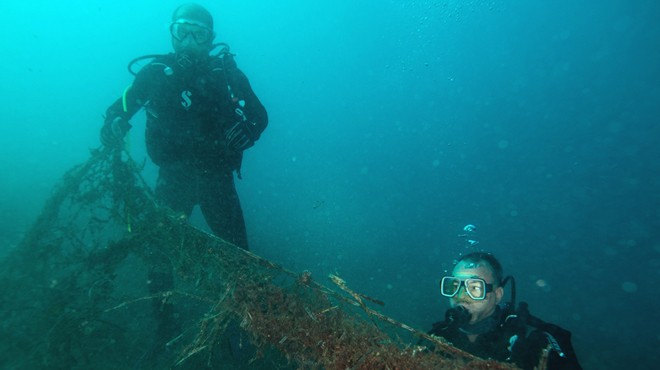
pixel 75 294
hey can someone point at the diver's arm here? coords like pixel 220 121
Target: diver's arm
pixel 253 109
pixel 128 103
pixel 116 123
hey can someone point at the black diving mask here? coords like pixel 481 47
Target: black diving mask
pixel 183 28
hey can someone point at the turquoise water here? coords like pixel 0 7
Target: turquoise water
pixel 392 126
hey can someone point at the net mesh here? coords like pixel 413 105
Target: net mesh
pixel 76 294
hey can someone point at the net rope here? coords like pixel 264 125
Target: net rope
pixel 75 294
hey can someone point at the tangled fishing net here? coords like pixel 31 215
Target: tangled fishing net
pixel 76 294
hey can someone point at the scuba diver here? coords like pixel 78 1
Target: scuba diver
pixel 477 323
pixel 201 115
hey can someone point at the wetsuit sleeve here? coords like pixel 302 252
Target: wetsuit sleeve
pixel 131 100
pixel 254 111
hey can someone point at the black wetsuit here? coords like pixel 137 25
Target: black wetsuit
pixel 188 112
pixel 510 338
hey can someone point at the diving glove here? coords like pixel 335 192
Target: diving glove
pixel 113 132
pixel 242 135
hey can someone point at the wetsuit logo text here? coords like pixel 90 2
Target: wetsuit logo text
pixel 185 99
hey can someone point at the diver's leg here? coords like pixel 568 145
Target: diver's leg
pixel 222 209
pixel 176 189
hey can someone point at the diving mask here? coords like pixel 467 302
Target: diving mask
pixel 183 28
pixel 476 288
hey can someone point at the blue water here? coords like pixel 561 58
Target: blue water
pixel 392 125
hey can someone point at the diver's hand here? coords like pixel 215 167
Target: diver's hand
pixel 113 132
pixel 241 136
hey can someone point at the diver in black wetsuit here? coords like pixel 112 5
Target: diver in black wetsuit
pixel 478 324
pixel 201 115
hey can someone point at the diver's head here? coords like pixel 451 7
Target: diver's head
pixel 192 32
pixel 476 284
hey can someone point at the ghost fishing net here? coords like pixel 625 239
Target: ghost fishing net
pixel 81 292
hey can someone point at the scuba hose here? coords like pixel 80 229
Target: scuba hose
pixel 522 313
pixel 139 59
pixel 124 106
pixel 224 49
pixel 127 145
pixel 510 307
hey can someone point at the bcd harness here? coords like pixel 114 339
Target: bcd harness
pixel 223 55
